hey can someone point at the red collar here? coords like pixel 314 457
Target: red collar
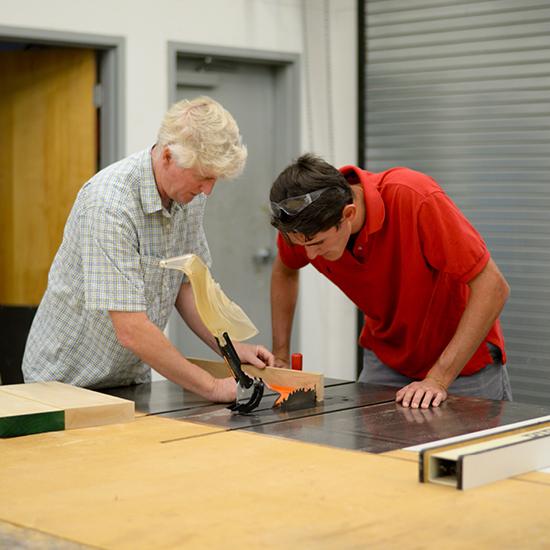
pixel 374 205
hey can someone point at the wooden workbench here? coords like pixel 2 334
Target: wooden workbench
pixel 163 483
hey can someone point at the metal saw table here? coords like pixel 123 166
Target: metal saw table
pixel 355 416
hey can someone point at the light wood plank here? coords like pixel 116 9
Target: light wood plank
pixel 16 405
pixel 270 375
pixel 82 407
pixel 218 369
pixel 20 416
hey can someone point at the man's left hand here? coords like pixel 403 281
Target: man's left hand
pixel 421 394
pixel 254 355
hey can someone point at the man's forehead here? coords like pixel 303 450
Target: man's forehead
pixel 301 239
pixel 296 238
pixel 202 172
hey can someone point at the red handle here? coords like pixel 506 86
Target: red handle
pixel 296 362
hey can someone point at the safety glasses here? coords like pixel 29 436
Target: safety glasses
pixel 292 206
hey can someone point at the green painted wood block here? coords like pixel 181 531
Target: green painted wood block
pixel 20 416
pixel 49 406
pixel 26 424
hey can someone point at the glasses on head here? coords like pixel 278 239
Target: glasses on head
pixel 292 206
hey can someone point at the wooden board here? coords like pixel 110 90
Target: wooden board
pixel 270 375
pixel 535 477
pixel 23 416
pixel 81 407
pixel 402 454
pixel 120 487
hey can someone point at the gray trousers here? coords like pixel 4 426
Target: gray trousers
pixel 491 382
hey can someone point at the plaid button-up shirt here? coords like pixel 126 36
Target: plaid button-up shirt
pixel 114 238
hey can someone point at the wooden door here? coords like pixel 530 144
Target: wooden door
pixel 49 149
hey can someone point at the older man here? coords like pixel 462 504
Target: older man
pixel 101 320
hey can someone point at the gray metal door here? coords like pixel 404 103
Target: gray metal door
pixel 241 240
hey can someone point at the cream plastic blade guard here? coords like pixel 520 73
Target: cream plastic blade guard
pixel 216 310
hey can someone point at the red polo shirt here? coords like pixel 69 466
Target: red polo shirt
pixel 409 270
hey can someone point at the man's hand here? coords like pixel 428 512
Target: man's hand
pixel 422 394
pixel 224 390
pixel 254 355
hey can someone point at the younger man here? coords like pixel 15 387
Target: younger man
pixel 401 250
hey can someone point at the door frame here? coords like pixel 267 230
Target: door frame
pixel 110 51
pixel 287 100
pixel 287 87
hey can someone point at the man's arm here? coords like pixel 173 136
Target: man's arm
pixel 488 294
pixel 185 304
pixel 284 294
pixel 252 354
pixel 137 333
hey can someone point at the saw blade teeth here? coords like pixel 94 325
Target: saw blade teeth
pixel 301 398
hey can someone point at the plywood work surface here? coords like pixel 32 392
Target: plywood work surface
pixel 126 486
pixel 535 477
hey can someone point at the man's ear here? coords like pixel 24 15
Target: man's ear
pixel 166 154
pixel 349 212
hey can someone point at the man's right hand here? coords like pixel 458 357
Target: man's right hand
pixel 224 390
pixel 281 363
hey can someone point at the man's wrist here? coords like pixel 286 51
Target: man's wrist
pixel 444 371
pixel 281 356
pixel 281 352
pixel 440 376
pixel 437 380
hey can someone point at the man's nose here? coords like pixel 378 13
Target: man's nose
pixel 312 252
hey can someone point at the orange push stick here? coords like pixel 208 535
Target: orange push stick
pixel 296 361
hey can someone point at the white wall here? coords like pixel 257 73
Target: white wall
pixel 327 317
pixel 322 31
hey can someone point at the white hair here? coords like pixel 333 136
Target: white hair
pixel 200 133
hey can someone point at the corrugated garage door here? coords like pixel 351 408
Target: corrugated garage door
pixel 461 90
